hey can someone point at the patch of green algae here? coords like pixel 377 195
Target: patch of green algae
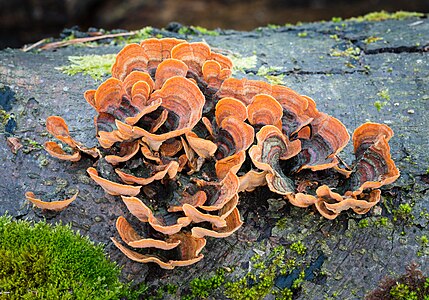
pixel 197 30
pixel 260 281
pixel 242 63
pixel 384 15
pixel 95 66
pixel 267 73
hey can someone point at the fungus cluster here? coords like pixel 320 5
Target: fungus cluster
pixel 180 139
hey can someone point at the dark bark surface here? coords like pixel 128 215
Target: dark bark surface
pixel 312 59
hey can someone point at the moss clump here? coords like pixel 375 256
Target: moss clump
pixel 403 212
pixel 379 104
pixel 383 15
pixel 242 63
pixel 298 247
pixel 413 285
pixel 202 287
pixel 41 261
pixel 269 74
pixel 95 66
pixel 364 223
pixel 197 30
pixel 258 283
pixel 383 222
pixel 384 94
pixel 372 39
pixel 352 52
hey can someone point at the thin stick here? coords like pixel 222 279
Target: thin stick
pixel 25 48
pixel 55 45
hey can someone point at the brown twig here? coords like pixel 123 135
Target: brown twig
pixel 60 44
pixel 25 48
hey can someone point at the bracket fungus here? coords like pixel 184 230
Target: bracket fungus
pixel 180 139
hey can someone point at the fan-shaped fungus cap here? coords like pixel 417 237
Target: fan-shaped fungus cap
pixel 359 206
pixel 233 223
pixel 54 205
pixel 58 128
pixel 273 146
pixel 329 136
pixel 133 239
pixel 167 69
pixel 225 191
pixel 367 134
pixel 234 136
pixel 251 180
pixel 230 108
pixel 108 96
pixel 243 89
pixel 193 55
pixel 301 200
pixel 170 147
pixel 158 50
pixel 231 163
pixel 57 151
pixel 89 96
pixel 131 58
pixel 216 220
pixel 126 152
pixel 158 173
pixel 213 74
pixel 374 168
pixel 138 77
pixel 184 102
pixel 204 148
pixel 196 200
pixel 265 110
pixel 188 251
pixel 111 187
pixel 168 224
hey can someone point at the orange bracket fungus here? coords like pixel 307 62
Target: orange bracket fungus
pixel 180 139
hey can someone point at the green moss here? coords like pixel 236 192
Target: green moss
pixel 379 104
pixel 336 19
pixel 273 26
pixel 383 221
pixel 267 73
pixel 372 39
pixel 403 212
pixel 38 260
pixel 197 30
pixel 384 94
pixel 203 287
pixel 242 63
pixel 424 240
pixel 402 292
pixel 383 15
pixel 95 66
pixel 139 36
pixel 334 37
pixel 259 282
pixel 363 223
pixel 298 247
pixel 281 223
pixel 4 117
pixel 352 52
pixel 413 285
pixel 303 34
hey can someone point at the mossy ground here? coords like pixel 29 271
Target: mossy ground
pixel 41 261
